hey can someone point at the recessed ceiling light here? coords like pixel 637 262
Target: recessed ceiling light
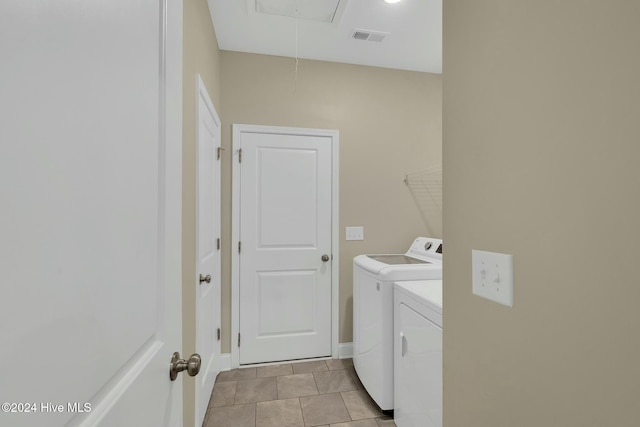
pixel 391 1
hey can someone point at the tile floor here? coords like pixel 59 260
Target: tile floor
pixel 323 393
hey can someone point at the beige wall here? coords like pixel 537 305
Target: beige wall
pixel 200 56
pixel 389 123
pixel 541 160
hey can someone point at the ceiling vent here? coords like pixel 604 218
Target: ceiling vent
pixel 368 35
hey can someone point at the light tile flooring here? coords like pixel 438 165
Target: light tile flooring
pixel 323 393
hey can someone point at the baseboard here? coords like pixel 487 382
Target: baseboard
pixel 345 350
pixel 225 362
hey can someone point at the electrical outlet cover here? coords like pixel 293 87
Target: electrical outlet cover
pixel 493 276
pixel 355 233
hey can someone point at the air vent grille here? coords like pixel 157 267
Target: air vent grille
pixel 360 35
pixel 368 35
pixel 376 37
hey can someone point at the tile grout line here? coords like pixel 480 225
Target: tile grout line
pixel 235 393
pixel 301 412
pixel 347 408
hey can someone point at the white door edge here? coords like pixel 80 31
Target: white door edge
pixel 235 229
pixel 213 367
pixel 173 169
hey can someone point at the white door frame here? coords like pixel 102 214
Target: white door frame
pixel 235 230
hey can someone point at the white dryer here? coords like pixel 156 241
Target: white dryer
pixel 418 354
pixel 373 278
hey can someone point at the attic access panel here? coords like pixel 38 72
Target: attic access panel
pixel 310 10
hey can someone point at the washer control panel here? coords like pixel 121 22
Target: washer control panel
pixel 426 247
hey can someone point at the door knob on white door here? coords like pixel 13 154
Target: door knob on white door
pixel 206 278
pixel 325 258
pixel 192 366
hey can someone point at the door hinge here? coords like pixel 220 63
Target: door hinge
pixel 239 246
pixel 238 339
pixel 218 334
pixel 218 243
pixel 220 150
pixel 240 155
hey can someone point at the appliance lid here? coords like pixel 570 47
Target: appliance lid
pixel 398 259
pixel 427 292
pixel 393 272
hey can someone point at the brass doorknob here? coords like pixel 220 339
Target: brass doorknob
pixel 192 366
pixel 206 278
pixel 325 258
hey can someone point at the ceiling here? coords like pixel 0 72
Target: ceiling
pixel 411 30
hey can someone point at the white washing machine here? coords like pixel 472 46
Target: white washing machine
pixel 418 353
pixel 373 278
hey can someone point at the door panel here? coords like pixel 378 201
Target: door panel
pixel 286 303
pixel 90 185
pixel 281 225
pixel 285 228
pixel 208 255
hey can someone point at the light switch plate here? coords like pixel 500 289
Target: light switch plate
pixel 493 276
pixel 355 233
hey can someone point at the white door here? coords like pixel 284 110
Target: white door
pixel 90 219
pixel 285 238
pixel 207 274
